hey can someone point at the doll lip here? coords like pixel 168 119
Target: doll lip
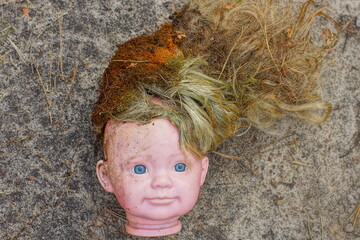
pixel 161 200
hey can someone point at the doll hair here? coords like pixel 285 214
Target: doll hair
pixel 219 62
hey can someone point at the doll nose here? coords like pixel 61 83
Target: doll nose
pixel 161 180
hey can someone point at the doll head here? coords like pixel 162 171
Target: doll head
pixel 152 177
pixel 207 75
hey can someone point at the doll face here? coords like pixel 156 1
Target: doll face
pixel 151 177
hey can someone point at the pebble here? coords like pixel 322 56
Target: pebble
pixel 358 21
pixel 349 228
pixel 351 199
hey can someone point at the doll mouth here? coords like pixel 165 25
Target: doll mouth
pixel 161 201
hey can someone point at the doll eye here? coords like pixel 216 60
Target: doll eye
pixel 180 167
pixel 139 169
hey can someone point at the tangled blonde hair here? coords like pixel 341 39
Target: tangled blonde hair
pixel 220 61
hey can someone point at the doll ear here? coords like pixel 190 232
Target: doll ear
pixel 204 169
pixel 103 176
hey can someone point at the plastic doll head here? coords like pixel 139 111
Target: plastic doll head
pixel 152 177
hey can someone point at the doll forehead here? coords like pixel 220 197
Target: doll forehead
pixel 135 130
pixel 127 140
pixel 127 134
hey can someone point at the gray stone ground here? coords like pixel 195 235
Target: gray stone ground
pixel 50 67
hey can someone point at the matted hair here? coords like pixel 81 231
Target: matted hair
pixel 219 62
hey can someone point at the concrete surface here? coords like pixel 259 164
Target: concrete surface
pixel 300 182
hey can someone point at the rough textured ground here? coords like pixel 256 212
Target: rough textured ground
pixel 302 182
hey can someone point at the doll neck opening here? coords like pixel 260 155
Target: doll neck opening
pixel 152 228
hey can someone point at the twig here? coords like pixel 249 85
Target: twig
pixel 17 50
pixel 3 57
pixel 17 140
pixel 4 94
pixel 227 156
pixel 11 60
pixel 53 86
pixel 8 23
pixel 7 28
pixel 345 42
pixel 290 159
pixel 300 163
pixel 295 142
pixel 322 228
pixel 20 235
pixel 10 192
pixel 50 115
pixel 72 81
pixel 355 214
pixel 42 83
pixel 46 162
pixel 273 142
pixel 68 180
pixel 169 237
pixel 309 229
pixel 61 48
pixel 114 214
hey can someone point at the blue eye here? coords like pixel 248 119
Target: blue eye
pixel 139 169
pixel 180 167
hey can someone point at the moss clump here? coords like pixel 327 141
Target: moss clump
pixel 137 62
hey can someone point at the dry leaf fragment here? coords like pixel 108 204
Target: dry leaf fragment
pixel 26 13
pixel 281 202
pixel 33 178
